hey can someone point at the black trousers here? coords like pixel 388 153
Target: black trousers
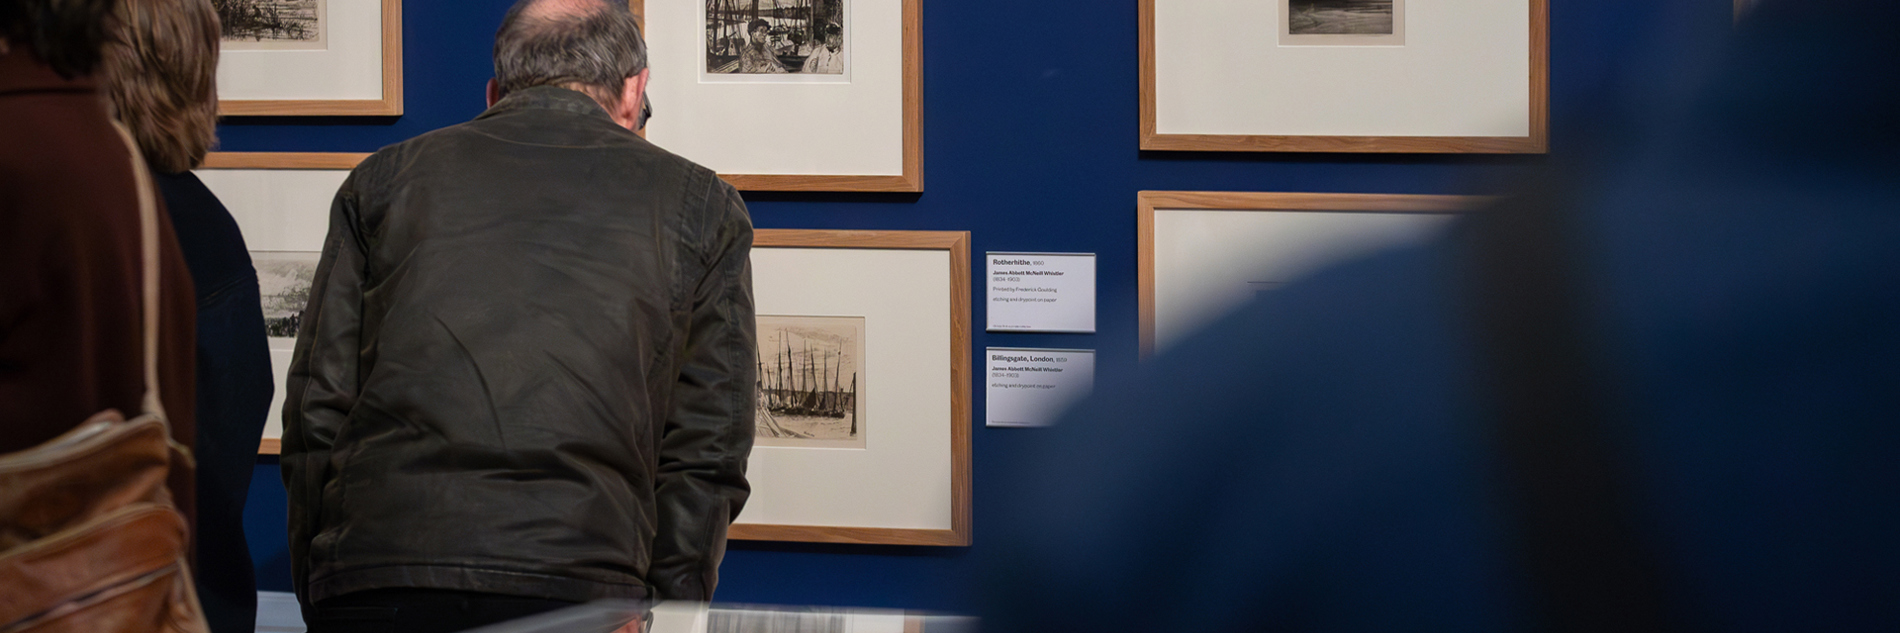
pixel 422 611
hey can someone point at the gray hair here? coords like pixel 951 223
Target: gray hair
pixel 588 45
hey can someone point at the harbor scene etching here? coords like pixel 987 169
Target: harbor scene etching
pixel 810 382
pixel 1339 17
pixel 272 23
pixel 283 283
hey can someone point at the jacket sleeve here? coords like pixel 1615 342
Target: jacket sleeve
pixel 701 483
pixel 323 380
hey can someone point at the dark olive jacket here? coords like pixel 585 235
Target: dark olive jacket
pixel 526 368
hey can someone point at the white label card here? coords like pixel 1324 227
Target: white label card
pixel 1042 292
pixel 1031 387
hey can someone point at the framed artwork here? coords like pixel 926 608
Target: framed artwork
pixel 310 57
pixel 864 358
pixel 1459 76
pixel 1202 254
pixel 864 415
pixel 281 202
pixel 790 95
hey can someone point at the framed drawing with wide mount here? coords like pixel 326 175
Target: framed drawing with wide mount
pixel 1457 76
pixel 281 202
pixel 864 409
pixel 1201 254
pixel 310 58
pixel 790 95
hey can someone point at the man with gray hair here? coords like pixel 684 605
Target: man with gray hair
pixel 525 375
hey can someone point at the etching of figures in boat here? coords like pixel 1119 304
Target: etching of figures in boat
pixel 798 41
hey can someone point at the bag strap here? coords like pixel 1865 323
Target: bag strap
pixel 149 272
pixel 148 291
pixel 1569 479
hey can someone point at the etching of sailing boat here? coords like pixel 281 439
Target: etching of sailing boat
pixel 811 382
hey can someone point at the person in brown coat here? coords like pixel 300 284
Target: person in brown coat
pixel 70 337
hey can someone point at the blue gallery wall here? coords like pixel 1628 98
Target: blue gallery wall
pixel 1030 139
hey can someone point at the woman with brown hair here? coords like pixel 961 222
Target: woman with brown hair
pixel 160 71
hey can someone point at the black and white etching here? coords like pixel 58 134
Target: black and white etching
pixel 272 24
pixel 283 280
pixel 778 620
pixel 1342 22
pixel 1339 17
pixel 811 382
pixel 776 39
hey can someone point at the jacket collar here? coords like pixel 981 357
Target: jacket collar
pixel 21 71
pixel 548 98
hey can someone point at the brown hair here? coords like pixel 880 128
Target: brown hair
pixel 161 72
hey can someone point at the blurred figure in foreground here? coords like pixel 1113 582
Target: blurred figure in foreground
pixel 1658 399
pixel 160 71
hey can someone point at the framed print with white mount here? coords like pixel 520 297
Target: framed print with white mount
pixel 1201 254
pixel 310 58
pixel 790 95
pixel 1394 76
pixel 281 202
pixel 864 414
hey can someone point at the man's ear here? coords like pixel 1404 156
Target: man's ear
pixel 494 92
pixel 632 95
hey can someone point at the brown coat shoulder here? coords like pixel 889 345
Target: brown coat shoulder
pixel 69 243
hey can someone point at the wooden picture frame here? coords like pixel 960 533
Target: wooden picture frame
pixel 955 245
pixel 1536 141
pixel 283 160
pixel 911 180
pixel 266 233
pixel 390 103
pixel 1150 203
pixel 953 281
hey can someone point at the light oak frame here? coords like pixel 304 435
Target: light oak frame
pixel 912 180
pixel 1537 142
pixel 281 160
pixel 957 245
pixel 1151 201
pixel 389 105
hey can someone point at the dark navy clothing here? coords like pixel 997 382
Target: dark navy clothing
pixel 1318 460
pixel 234 395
